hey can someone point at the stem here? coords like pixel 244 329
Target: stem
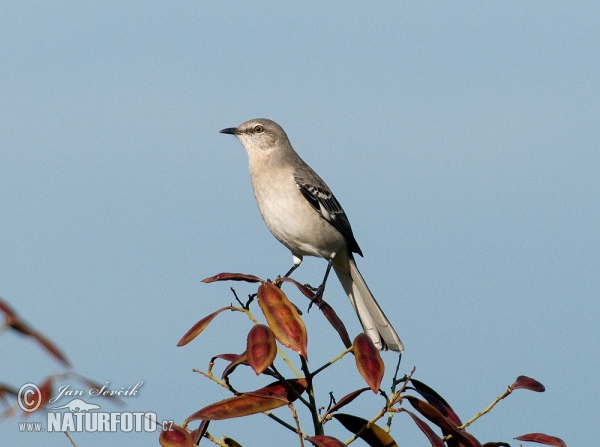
pixel 332 361
pixel 394 383
pixel 295 416
pixel 311 398
pixel 487 410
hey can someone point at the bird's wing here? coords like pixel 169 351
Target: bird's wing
pixel 325 203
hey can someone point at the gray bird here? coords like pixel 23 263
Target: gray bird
pixel 304 215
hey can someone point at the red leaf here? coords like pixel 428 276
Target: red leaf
pixel 434 415
pixel 261 348
pixel 196 329
pixel 175 436
pixel 199 432
pixel 437 401
pixel 268 398
pixel 306 291
pixel 227 357
pixel 541 438
pixel 17 324
pixel 325 441
pixel 368 361
pixel 232 277
pixel 327 310
pixel 375 436
pixel 335 321
pixel 242 358
pixel 345 401
pixel 527 383
pixel 282 318
pixel 435 440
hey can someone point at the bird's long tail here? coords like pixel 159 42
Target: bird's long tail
pixel 373 320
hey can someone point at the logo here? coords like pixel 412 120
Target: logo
pixel 29 397
pixel 77 405
pixel 77 415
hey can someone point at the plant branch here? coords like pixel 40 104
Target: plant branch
pixel 311 398
pixel 332 361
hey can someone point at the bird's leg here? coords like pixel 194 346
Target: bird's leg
pixel 319 290
pixel 297 261
pixel 294 267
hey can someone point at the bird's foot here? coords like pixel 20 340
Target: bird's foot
pixel 318 295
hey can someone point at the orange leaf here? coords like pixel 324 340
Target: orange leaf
pixel 200 326
pixel 261 348
pixel 268 398
pixel 368 361
pixel 175 436
pixel 282 317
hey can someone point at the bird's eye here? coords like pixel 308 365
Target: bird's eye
pixel 259 129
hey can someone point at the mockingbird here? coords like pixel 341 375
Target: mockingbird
pixel 304 215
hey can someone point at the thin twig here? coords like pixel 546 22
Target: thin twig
pixel 298 430
pixel 332 361
pixel 487 410
pixel 70 439
pixel 210 437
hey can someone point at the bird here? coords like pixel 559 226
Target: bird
pixel 303 214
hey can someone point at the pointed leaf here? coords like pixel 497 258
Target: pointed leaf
pixel 231 443
pixel 368 361
pixel 227 357
pixel 199 432
pixel 261 348
pixel 335 321
pixel 327 310
pixel 325 441
pixel 282 318
pixel 268 398
pixel 527 383
pixel 435 440
pixel 541 438
pixel 232 277
pixel 375 436
pixel 436 400
pixel 51 348
pixel 433 415
pixel 196 329
pixel 307 292
pixel 242 358
pixel 175 436
pixel 345 401
pixel 7 310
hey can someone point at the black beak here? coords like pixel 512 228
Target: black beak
pixel 231 131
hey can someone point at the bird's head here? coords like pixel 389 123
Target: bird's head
pixel 259 134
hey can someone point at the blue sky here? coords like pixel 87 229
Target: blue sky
pixel 461 138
